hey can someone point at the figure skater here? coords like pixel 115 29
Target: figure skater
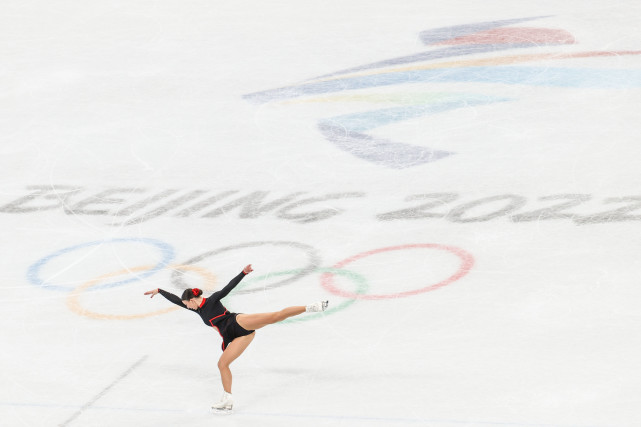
pixel 236 330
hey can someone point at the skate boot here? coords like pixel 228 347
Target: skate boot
pixel 316 307
pixel 225 405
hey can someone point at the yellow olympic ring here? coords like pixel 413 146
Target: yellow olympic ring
pixel 74 304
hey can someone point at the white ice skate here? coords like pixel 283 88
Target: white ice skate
pixel 316 307
pixel 225 405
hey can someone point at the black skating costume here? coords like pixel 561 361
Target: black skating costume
pixel 214 314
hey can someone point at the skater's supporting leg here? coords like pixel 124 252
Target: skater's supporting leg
pixel 231 353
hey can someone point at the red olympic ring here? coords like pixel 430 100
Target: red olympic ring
pixel 467 261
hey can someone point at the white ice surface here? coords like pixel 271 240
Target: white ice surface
pixel 105 104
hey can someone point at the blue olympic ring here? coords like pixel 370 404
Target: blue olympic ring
pixel 166 250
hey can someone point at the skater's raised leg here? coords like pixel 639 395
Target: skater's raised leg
pixel 259 320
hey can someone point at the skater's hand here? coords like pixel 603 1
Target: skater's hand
pixel 152 293
pixel 248 269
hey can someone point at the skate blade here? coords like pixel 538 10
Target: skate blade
pixel 216 411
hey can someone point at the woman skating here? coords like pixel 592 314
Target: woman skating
pixel 236 330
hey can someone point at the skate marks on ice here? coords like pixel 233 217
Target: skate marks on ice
pixel 104 391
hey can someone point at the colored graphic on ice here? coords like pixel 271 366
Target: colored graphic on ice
pixel 352 132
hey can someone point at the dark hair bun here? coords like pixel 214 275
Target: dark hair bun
pixel 190 293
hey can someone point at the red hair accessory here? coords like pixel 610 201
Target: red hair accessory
pixel 195 291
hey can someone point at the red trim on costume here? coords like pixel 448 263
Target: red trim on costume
pixel 214 318
pixel 211 321
pixel 202 303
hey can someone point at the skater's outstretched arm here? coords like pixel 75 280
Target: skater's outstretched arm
pixel 232 284
pixel 168 295
pixel 216 295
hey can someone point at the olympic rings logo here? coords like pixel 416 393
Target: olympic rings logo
pixel 464 263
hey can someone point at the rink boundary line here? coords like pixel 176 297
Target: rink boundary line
pixel 286 415
pixel 405 420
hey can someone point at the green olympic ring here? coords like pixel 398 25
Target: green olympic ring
pixel 360 281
